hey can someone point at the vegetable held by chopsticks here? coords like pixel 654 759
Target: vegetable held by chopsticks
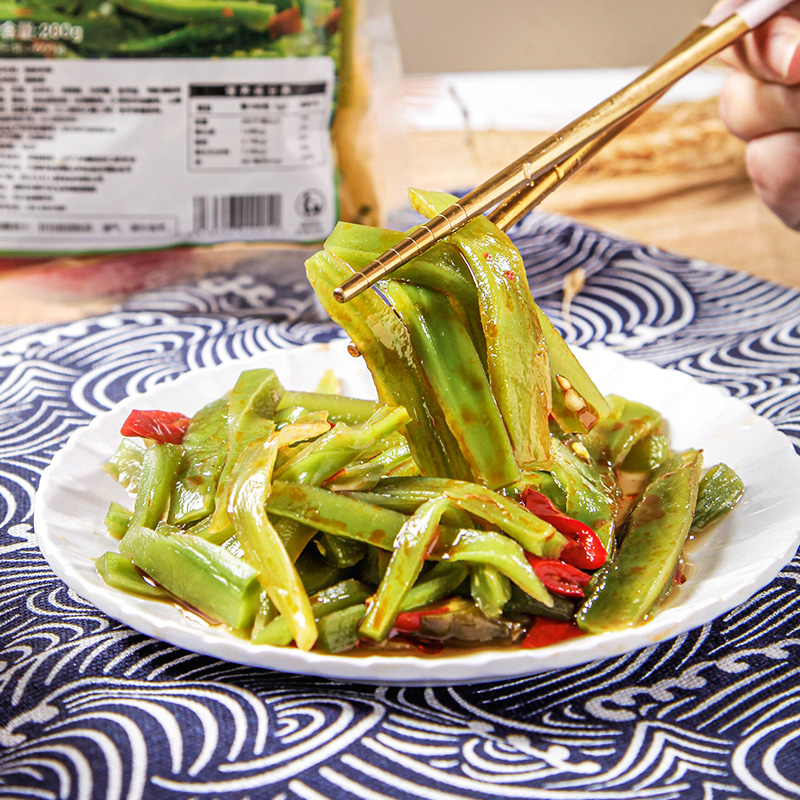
pixel 492 496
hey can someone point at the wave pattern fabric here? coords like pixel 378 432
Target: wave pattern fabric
pixel 91 709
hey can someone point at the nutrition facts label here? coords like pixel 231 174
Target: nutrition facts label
pixel 106 154
pixel 261 125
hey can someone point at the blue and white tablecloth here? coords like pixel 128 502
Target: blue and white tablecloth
pixel 92 709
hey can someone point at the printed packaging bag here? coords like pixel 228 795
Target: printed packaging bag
pixel 162 132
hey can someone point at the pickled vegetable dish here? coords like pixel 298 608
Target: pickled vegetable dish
pixel 491 496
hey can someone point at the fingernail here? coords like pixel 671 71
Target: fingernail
pixel 787 52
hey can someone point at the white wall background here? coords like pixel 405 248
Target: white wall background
pixel 476 35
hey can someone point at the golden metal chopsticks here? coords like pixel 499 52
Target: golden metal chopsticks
pixel 524 182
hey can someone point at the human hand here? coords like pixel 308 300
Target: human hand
pixel 760 103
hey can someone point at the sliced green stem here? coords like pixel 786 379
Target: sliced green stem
pixel 458 381
pixel 517 359
pixel 411 547
pixel 385 343
pixel 262 544
pixel 629 588
pixel 118 572
pixel 502 553
pixel 201 574
pixel 159 468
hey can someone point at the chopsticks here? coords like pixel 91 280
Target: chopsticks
pixel 525 182
pixel 524 200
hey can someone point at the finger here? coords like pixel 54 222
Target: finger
pixel 751 108
pixel 772 51
pixel 773 163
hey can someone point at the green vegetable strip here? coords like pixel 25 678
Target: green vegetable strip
pixel 410 549
pixel 262 545
pixel 265 613
pixel 250 410
pixel 409 503
pixel 339 631
pixel 118 572
pixel 340 552
pixel 341 595
pixel 628 423
pixel 373 565
pixel 325 457
pixel 293 535
pixel 200 528
pixel 720 490
pixel 517 358
pixel 363 475
pixel 386 346
pixel 328 383
pixel 201 574
pixel 257 392
pixel 346 516
pixel 335 513
pixel 315 572
pixel 512 518
pixel 502 553
pixel 118 519
pixel 647 454
pixel 341 445
pixel 304 429
pixel 255 15
pixel 125 466
pixel 339 408
pixel 458 381
pixel 297 415
pixel 490 590
pixel 159 467
pixel 204 446
pixel 535 535
pixel 643 567
pixel 439 582
pixel 442 269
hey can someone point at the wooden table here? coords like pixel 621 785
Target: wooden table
pixel 675 180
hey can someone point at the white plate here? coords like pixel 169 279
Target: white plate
pixel 725 566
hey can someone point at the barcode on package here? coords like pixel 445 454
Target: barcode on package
pixel 236 212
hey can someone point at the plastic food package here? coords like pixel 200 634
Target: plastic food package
pixel 145 140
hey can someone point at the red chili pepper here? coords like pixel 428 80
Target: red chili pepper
pixel 584 550
pixel 285 22
pixel 408 622
pixel 411 621
pixel 558 577
pixel 546 631
pixel 334 21
pixel 162 426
